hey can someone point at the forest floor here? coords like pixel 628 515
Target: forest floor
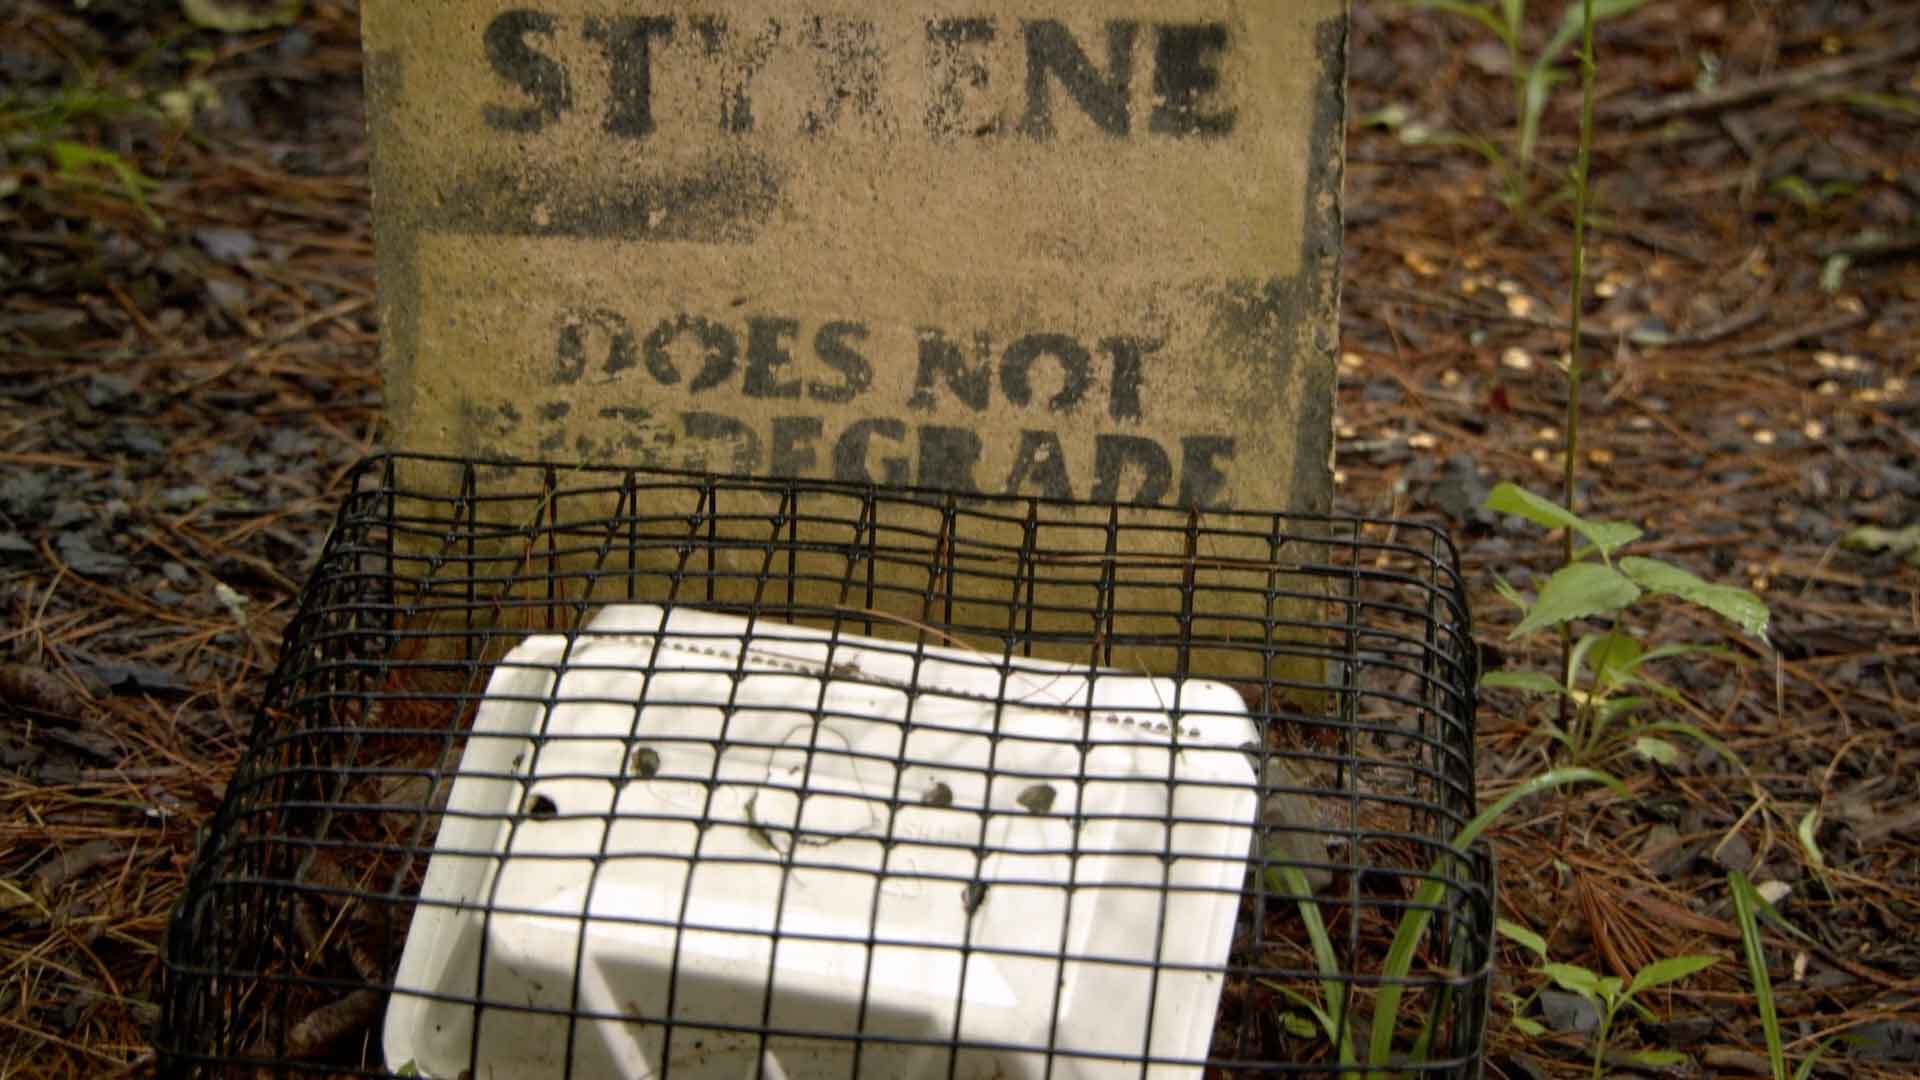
pixel 186 377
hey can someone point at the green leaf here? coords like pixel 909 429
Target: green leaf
pixel 1819 1051
pixel 1532 682
pixel 1552 778
pixel 1618 708
pixel 1809 841
pixel 1772 916
pixel 1681 727
pixel 1746 610
pixel 1577 659
pixel 1671 969
pixel 240 18
pixel 1300 1027
pixel 1661 691
pixel 1671 650
pixel 1293 881
pixel 1660 576
pixel 1515 13
pixel 1527 1026
pixel 1552 731
pixel 1422 135
pixel 1613 658
pixel 1539 84
pixel 1605 715
pixel 1658 750
pixel 1513 931
pixel 1833 273
pixel 1574 978
pixel 1326 1022
pixel 1658 1059
pixel 1479 13
pixel 71 159
pixel 1507 498
pixel 1574 20
pixel 1508 593
pixel 1897 104
pixel 1575 592
pixel 1441 1012
pixel 1905 542
pixel 1745 902
pixel 1799 191
pixel 1391 117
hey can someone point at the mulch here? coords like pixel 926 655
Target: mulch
pixel 179 402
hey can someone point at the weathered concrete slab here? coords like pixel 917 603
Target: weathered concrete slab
pixel 1066 249
pixel 1077 249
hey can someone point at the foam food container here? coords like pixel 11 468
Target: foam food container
pixel 824 836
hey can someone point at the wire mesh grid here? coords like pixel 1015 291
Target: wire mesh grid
pixel 603 771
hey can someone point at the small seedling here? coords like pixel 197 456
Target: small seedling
pixel 47 127
pixel 1607 994
pixel 1517 1005
pixel 1604 678
pixel 1815 200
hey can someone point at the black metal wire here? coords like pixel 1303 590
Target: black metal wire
pixel 1348 638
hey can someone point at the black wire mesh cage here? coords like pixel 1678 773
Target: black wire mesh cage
pixel 612 772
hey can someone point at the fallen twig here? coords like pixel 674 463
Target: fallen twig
pixel 1740 93
pixel 1645 339
pixel 1873 246
pixel 1794 335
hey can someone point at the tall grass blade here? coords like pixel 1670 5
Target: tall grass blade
pixel 1745 904
pixel 1333 988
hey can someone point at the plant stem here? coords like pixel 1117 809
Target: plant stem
pixel 1516 168
pixel 1583 161
pixel 1600 1035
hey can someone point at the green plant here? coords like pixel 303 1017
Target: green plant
pixel 1816 201
pixel 1533 80
pixel 1517 1005
pixel 1609 994
pixel 1902 542
pixel 1601 682
pixel 1333 1012
pixel 1603 677
pixel 45 128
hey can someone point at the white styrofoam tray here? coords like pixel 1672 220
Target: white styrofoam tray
pixel 745 843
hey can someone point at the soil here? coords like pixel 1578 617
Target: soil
pixel 188 376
